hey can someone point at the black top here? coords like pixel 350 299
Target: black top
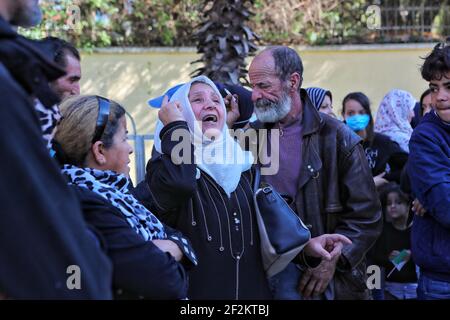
pixel 42 232
pixel 393 239
pixel 223 230
pixel 385 155
pixel 141 269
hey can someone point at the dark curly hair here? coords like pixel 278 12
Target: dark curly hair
pixel 437 63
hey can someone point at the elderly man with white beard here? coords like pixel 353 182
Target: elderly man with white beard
pixel 323 169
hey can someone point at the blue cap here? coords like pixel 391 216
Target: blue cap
pixel 157 102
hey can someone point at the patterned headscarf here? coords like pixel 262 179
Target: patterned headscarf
pixel 113 187
pixel 393 117
pixel 317 95
pixel 49 118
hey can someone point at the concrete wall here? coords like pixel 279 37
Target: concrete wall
pixel 132 76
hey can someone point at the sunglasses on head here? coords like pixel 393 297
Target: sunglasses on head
pixel 102 118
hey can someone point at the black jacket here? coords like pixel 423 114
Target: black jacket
pixel 30 64
pixel 223 230
pixel 140 268
pixel 42 231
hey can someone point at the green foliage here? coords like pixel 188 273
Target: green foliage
pixel 310 21
pixel 101 23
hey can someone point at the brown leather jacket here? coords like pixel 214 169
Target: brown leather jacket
pixel 336 194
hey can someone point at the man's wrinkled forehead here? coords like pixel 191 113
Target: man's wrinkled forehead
pixel 262 67
pixel 264 60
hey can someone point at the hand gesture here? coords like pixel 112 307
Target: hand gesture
pixel 379 180
pixel 232 106
pixel 328 246
pixel 170 112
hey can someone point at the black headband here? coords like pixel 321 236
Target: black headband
pixel 102 118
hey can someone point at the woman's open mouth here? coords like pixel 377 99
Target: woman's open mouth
pixel 209 118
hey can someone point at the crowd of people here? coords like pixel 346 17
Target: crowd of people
pixel 371 190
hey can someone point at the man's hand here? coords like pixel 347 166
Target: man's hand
pixel 315 281
pixel 326 246
pixel 170 247
pixel 170 112
pixel 232 106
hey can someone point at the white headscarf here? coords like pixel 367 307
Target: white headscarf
pixel 393 117
pixel 222 159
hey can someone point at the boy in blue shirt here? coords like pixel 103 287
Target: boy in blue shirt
pixel 429 171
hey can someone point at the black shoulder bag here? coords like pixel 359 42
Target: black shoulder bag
pixel 282 232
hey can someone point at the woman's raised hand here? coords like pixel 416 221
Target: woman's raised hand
pixel 170 112
pixel 232 107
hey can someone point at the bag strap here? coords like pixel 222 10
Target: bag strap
pixel 256 179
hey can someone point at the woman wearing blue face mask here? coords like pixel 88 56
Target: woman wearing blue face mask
pixel 386 158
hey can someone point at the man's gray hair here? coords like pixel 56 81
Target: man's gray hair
pixel 287 61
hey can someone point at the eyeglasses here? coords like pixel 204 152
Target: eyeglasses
pixel 102 118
